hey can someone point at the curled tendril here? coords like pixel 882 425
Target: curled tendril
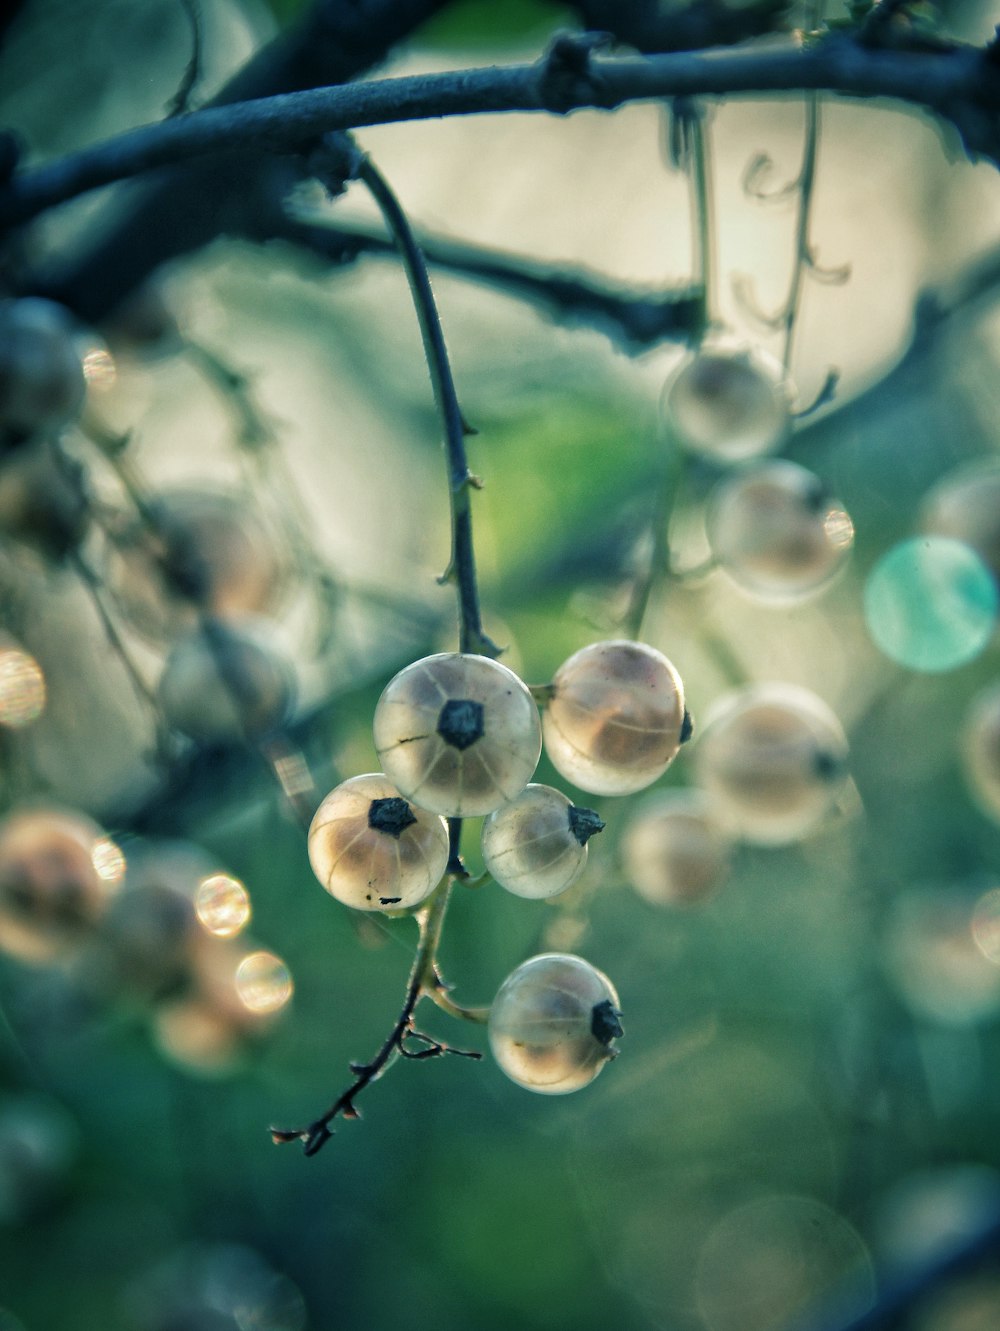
pixel 825 395
pixel 828 277
pixel 757 177
pixel 746 298
pixel 678 146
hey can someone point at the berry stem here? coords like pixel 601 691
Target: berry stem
pixel 702 205
pixel 803 249
pixel 424 981
pixel 462 567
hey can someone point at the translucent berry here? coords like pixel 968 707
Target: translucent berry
pixel 373 850
pixel 553 1023
pixel 777 532
pixel 773 759
pixel 223 683
pixel 458 734
pixel 965 505
pixel 673 850
pixel 44 498
pixel 52 894
pixel 981 750
pixel 536 845
pixel 616 717
pixel 41 378
pixel 207 552
pixel 234 997
pixel 728 403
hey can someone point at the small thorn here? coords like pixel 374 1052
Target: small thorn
pixel 317 1139
pixel 282 1135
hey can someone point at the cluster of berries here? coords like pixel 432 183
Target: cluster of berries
pixel 459 736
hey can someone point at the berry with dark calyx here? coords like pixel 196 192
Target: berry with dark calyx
pixel 776 531
pixel 616 717
pixel 52 893
pixel 373 850
pixel 553 1023
pixel 225 682
pixel 44 498
pixel 458 734
pixel 536 846
pixel 728 403
pixel 42 385
pixel 773 759
pixel 673 851
pixel 204 551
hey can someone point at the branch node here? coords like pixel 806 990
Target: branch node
pixel 567 78
pixel 335 161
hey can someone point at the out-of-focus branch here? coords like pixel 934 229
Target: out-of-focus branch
pixel 237 192
pixel 653 27
pixel 634 319
pixel 960 85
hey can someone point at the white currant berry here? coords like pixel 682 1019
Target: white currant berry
pixel 728 403
pixel 151 936
pixel 536 845
pixel 553 1023
pixel 224 682
pixel 773 759
pixel 458 734
pixel 52 893
pixel 673 850
pixel 981 750
pixel 777 532
pixel 965 505
pixel 616 717
pixel 42 384
pixel 206 551
pixel 44 498
pixel 373 850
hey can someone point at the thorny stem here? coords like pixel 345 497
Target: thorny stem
pixel 703 214
pixel 960 84
pixel 425 978
pixel 424 981
pixel 803 252
pixel 94 587
pixel 462 567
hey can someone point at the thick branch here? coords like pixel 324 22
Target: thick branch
pixel 960 84
pixel 651 26
pixel 633 318
pixel 237 193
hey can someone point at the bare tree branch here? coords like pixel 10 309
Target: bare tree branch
pixel 633 319
pixel 237 192
pixel 960 85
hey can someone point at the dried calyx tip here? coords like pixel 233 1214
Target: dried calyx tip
pixel 583 823
pixel 606 1022
pixel 687 727
pixel 460 722
pixel 392 816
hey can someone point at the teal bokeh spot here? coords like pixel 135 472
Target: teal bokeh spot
pixel 931 603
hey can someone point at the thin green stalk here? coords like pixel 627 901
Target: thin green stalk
pixel 462 566
pixel 803 251
pixel 703 209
